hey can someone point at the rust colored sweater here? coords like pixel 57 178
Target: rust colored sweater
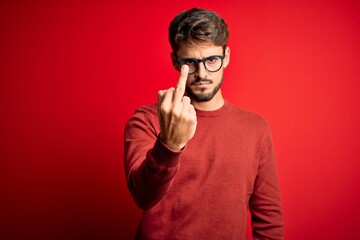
pixel 204 191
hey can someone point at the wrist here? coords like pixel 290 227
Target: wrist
pixel 171 146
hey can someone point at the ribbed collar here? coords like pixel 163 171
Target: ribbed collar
pixel 224 108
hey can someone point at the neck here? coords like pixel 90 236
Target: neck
pixel 215 103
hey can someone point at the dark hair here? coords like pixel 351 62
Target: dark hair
pixel 198 26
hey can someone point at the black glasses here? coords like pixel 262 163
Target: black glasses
pixel 211 64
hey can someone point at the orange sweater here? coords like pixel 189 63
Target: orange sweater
pixel 204 191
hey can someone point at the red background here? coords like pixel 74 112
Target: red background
pixel 72 73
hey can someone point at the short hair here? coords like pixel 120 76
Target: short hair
pixel 198 26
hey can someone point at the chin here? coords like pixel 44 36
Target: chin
pixel 203 94
pixel 201 97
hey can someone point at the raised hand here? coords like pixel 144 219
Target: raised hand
pixel 177 115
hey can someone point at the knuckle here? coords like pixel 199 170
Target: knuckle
pixel 186 99
pixel 170 91
pixel 164 108
pixel 189 117
pixel 176 113
pixel 193 118
pixel 179 89
pixel 161 93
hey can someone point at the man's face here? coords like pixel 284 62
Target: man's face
pixel 203 85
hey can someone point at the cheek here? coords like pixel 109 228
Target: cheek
pixel 190 79
pixel 216 77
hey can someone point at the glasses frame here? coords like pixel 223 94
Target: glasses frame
pixel 222 57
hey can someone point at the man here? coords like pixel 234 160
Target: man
pixel 194 162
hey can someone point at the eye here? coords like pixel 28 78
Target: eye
pixel 212 59
pixel 189 61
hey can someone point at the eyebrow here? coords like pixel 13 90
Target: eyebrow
pixel 201 58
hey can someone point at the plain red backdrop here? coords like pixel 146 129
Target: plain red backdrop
pixel 73 72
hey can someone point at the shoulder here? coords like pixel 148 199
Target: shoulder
pixel 150 109
pixel 143 121
pixel 144 115
pixel 248 121
pixel 246 116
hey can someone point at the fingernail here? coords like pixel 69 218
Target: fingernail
pixel 185 68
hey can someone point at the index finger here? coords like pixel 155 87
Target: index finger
pixel 181 84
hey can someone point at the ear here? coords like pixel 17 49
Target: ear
pixel 227 57
pixel 174 61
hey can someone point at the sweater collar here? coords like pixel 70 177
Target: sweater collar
pixel 224 108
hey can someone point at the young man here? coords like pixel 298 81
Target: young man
pixel 194 162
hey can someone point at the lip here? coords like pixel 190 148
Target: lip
pixel 201 84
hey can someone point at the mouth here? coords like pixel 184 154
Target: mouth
pixel 202 83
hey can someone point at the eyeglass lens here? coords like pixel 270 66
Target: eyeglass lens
pixel 212 63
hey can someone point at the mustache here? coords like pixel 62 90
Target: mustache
pixel 199 80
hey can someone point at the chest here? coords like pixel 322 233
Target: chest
pixel 221 150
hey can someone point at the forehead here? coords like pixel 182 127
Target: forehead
pixel 198 50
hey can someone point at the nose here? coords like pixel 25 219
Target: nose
pixel 201 72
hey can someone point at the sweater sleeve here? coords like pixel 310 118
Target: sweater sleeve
pixel 150 166
pixel 265 202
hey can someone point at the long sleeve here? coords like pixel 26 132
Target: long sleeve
pixel 226 168
pixel 150 166
pixel 265 202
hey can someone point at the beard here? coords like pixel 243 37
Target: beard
pixel 202 96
